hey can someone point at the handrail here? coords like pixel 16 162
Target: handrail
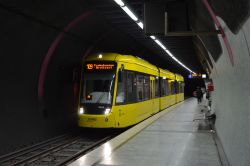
pixel 224 37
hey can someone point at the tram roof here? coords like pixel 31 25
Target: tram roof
pixel 132 59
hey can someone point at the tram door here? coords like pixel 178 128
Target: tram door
pixel 152 95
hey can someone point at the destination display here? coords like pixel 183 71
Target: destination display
pixel 99 66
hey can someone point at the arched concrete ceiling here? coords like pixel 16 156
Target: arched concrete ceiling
pixel 107 28
pixel 183 47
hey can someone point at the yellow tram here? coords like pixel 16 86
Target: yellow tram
pixel 121 90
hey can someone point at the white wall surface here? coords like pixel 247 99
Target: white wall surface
pixel 231 98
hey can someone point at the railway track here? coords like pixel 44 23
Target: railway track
pixel 57 151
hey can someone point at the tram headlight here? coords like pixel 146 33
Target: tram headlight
pixel 100 56
pixel 81 111
pixel 107 111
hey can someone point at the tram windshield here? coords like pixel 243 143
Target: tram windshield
pixel 97 87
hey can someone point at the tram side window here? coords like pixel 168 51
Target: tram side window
pixel 140 80
pixel 163 87
pixel 146 88
pixel 179 87
pixel 131 87
pixel 177 90
pixel 120 94
pixel 169 87
pixel 173 89
pixel 157 92
pixel 182 87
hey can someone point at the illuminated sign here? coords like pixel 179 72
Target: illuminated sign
pixel 94 66
pixel 194 75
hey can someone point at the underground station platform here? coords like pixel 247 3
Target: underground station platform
pixel 180 135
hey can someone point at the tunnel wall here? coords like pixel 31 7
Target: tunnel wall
pixel 30 31
pixel 24 44
pixel 231 98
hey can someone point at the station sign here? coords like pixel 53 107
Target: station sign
pixel 199 75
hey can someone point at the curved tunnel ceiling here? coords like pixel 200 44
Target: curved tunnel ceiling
pixel 197 52
pixel 109 21
pixel 181 47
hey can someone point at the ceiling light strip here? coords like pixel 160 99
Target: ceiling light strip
pixel 153 37
pixel 130 13
pixel 160 44
pixel 119 2
pixel 140 24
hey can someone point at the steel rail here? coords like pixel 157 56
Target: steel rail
pixel 18 153
pixel 45 152
pixel 84 151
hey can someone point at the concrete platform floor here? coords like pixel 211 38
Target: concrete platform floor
pixel 170 138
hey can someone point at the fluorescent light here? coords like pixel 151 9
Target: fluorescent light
pixel 140 24
pixel 160 44
pixel 130 13
pixel 169 53
pixel 153 37
pixel 174 58
pixel 119 2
